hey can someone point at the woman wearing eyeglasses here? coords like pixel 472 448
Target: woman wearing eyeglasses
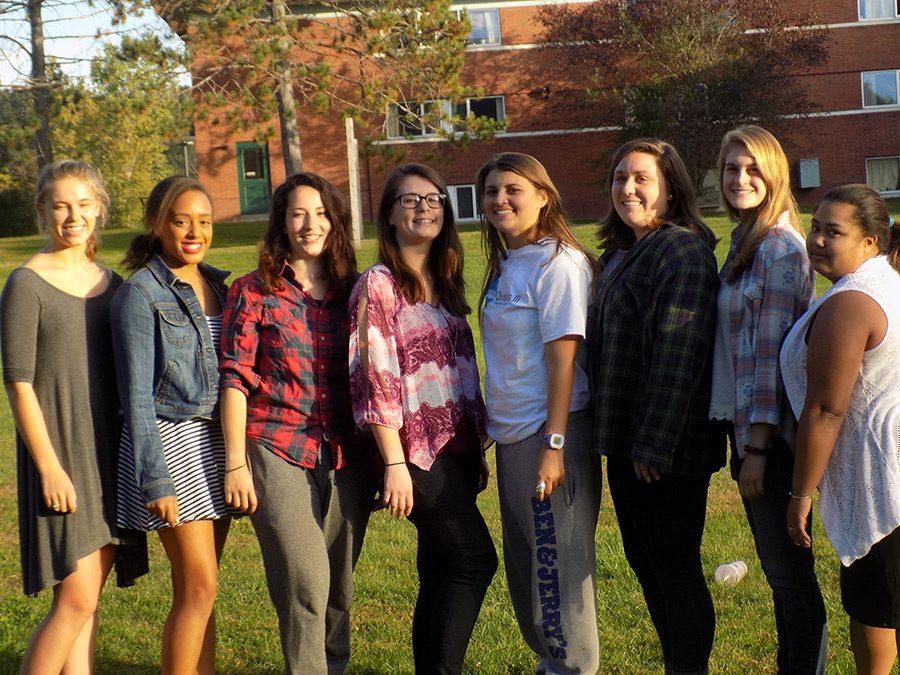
pixel 414 383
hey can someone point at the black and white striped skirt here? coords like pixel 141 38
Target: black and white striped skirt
pixel 195 456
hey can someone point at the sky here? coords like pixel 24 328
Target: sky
pixel 70 30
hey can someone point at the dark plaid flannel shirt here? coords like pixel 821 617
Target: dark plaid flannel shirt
pixel 650 349
pixel 288 354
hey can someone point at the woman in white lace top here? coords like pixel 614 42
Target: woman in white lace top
pixel 840 368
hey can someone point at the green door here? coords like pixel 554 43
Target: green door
pixel 253 177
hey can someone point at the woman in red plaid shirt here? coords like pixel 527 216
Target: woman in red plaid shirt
pixel 294 461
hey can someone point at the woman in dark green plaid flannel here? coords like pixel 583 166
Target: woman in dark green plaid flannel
pixel 650 349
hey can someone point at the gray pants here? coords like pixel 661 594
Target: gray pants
pixel 549 550
pixel 310 526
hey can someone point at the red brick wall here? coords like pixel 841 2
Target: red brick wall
pixel 576 161
pixel 842 145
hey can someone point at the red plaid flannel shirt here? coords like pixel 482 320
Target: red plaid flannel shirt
pixel 287 353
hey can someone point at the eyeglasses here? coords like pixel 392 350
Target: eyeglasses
pixel 411 200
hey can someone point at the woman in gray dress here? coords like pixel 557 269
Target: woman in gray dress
pixel 58 372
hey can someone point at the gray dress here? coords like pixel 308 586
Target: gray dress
pixel 61 344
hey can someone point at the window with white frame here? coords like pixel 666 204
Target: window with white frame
pixel 465 207
pixel 422 120
pixel 878 9
pixel 880 87
pixel 883 173
pixel 485 26
pixel 415 120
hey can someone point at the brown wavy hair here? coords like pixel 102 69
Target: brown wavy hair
pixel 338 256
pixel 159 203
pixel 551 222
pixel 682 210
pixel 773 168
pixel 87 174
pixel 445 259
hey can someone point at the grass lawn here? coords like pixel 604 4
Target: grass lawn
pixel 132 619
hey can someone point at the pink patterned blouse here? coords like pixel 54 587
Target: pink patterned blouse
pixel 412 368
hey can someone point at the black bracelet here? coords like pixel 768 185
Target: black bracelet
pixel 236 468
pixel 753 450
pixel 396 463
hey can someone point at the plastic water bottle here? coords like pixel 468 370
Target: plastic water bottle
pixel 731 573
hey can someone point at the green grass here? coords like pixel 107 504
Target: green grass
pixel 132 619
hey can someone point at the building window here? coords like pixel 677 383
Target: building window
pixel 415 120
pixel 491 107
pixel 424 120
pixel 464 204
pixel 485 26
pixel 883 173
pixel 880 87
pixel 878 9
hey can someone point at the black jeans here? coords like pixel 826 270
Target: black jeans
pixel 456 561
pixel 789 569
pixel 662 527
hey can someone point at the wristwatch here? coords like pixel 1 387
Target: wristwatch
pixel 555 441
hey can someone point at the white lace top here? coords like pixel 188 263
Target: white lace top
pixel 860 492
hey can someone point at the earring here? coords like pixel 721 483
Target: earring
pixel 669 197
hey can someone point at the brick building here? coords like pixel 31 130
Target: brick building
pixel 853 137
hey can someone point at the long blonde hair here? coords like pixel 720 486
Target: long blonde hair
pixel 773 168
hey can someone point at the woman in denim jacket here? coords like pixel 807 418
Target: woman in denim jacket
pixel 767 283
pixel 166 320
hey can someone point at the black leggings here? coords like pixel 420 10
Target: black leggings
pixel 456 561
pixel 662 526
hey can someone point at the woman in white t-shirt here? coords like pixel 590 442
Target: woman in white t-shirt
pixel 533 317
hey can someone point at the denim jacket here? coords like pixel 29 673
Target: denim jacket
pixel 166 363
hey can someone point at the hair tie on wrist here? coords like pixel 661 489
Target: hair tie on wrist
pixel 236 468
pixel 396 463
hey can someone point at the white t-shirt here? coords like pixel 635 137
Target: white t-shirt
pixel 539 297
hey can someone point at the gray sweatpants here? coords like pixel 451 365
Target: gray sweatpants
pixel 549 550
pixel 310 526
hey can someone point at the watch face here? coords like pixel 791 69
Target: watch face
pixel 556 441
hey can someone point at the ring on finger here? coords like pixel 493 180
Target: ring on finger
pixel 55 505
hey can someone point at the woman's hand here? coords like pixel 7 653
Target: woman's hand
pixel 797 519
pixel 551 471
pixel 58 490
pixel 397 494
pixel 166 509
pixel 750 480
pixel 239 491
pixel 645 472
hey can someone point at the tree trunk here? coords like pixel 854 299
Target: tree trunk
pixel 287 107
pixel 40 88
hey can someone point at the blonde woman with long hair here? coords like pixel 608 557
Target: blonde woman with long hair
pixel 767 283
